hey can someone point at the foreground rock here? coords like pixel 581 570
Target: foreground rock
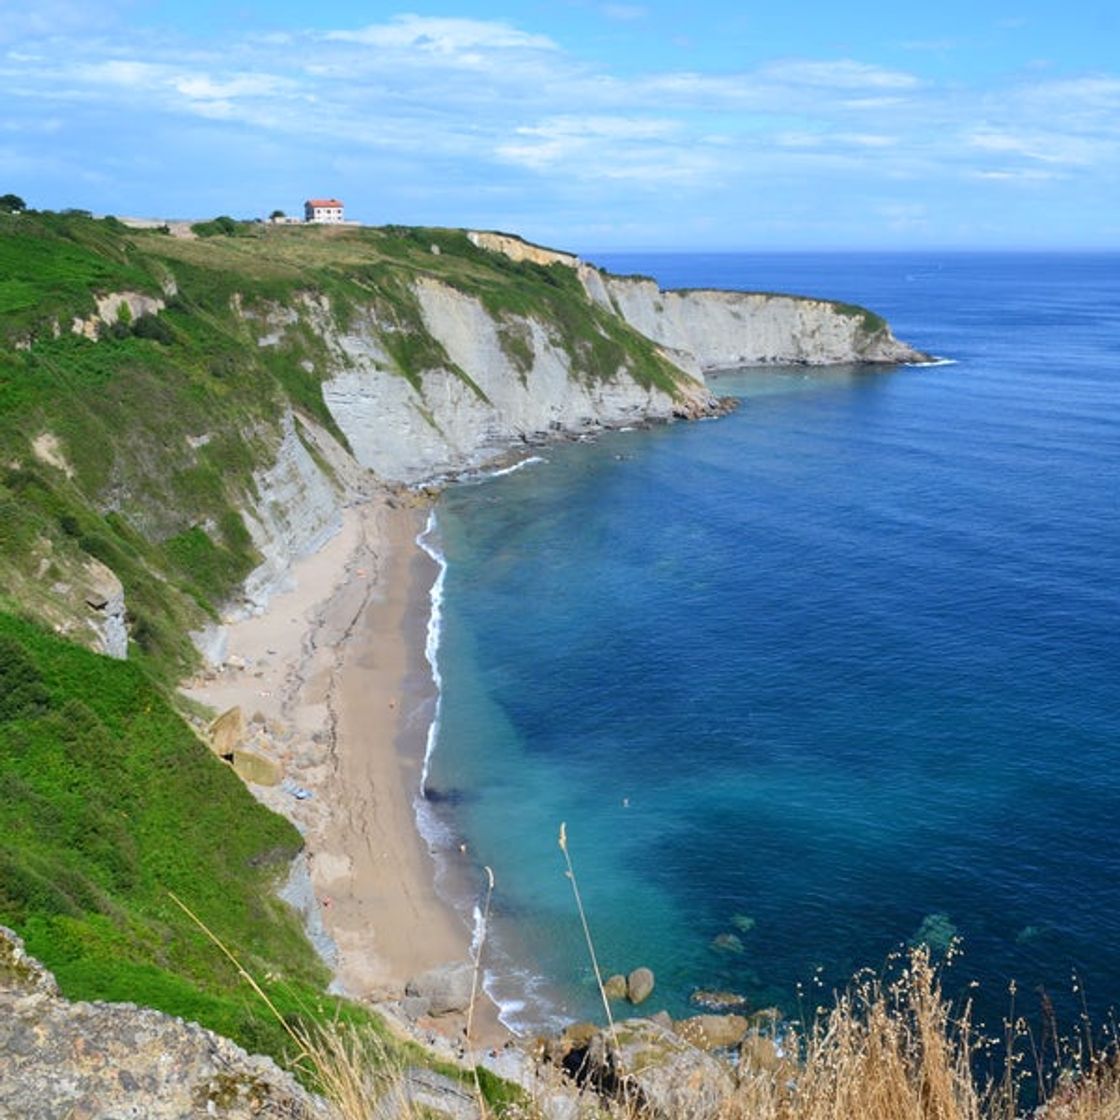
pixel 713 1032
pixel 654 1070
pixel 92 1060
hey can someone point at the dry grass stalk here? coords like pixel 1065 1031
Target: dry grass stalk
pixel 477 963
pixel 571 874
pixel 352 1067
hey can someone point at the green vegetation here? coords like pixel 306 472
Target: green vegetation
pixel 872 323
pixel 223 226
pixel 112 805
pixel 110 802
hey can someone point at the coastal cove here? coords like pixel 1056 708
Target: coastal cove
pixel 815 680
pixel 445 539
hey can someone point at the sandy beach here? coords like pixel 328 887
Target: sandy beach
pixel 335 690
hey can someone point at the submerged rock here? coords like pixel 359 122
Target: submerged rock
pixel 937 931
pixel 728 943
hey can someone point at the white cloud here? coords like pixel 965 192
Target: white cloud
pixel 1015 175
pixel 447 107
pixel 1041 147
pixel 840 74
pixel 866 139
pixel 443 37
pixel 607 148
pixel 121 72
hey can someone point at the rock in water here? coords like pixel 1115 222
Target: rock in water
pixel 639 985
pixel 446 988
pixel 727 943
pixel 615 987
pixel 59 1058
pixel 715 1000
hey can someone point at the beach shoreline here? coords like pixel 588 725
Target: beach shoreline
pixel 336 692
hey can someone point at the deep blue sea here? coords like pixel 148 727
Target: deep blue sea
pixel 835 672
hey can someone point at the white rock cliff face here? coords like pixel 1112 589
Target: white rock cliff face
pixel 721 330
pixel 406 435
pixel 297 510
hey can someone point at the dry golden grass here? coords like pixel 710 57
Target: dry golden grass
pixel 886 1050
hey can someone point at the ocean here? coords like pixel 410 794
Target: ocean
pixel 808 683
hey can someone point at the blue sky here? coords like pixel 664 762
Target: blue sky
pixel 585 124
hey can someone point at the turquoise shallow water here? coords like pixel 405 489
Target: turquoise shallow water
pixel 841 664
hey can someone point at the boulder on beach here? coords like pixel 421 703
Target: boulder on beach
pixel 446 988
pixel 639 985
pixel 227 732
pixel 252 767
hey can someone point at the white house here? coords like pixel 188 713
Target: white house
pixel 322 210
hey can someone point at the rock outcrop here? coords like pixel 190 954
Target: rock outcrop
pixel 707 329
pixel 103 595
pixel 95 1060
pixel 111 308
pixel 721 330
pixel 653 1070
pixel 442 991
pixel 458 417
pixel 297 509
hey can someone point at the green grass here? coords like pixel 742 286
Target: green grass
pixel 110 802
pixel 50 266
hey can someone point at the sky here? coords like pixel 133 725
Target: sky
pixel 583 124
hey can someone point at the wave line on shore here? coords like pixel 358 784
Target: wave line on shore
pixel 431 644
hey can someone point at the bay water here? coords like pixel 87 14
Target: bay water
pixel 837 672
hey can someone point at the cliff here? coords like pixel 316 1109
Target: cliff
pixel 183 417
pixel 721 330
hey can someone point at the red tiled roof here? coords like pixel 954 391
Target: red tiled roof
pixel 323 202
